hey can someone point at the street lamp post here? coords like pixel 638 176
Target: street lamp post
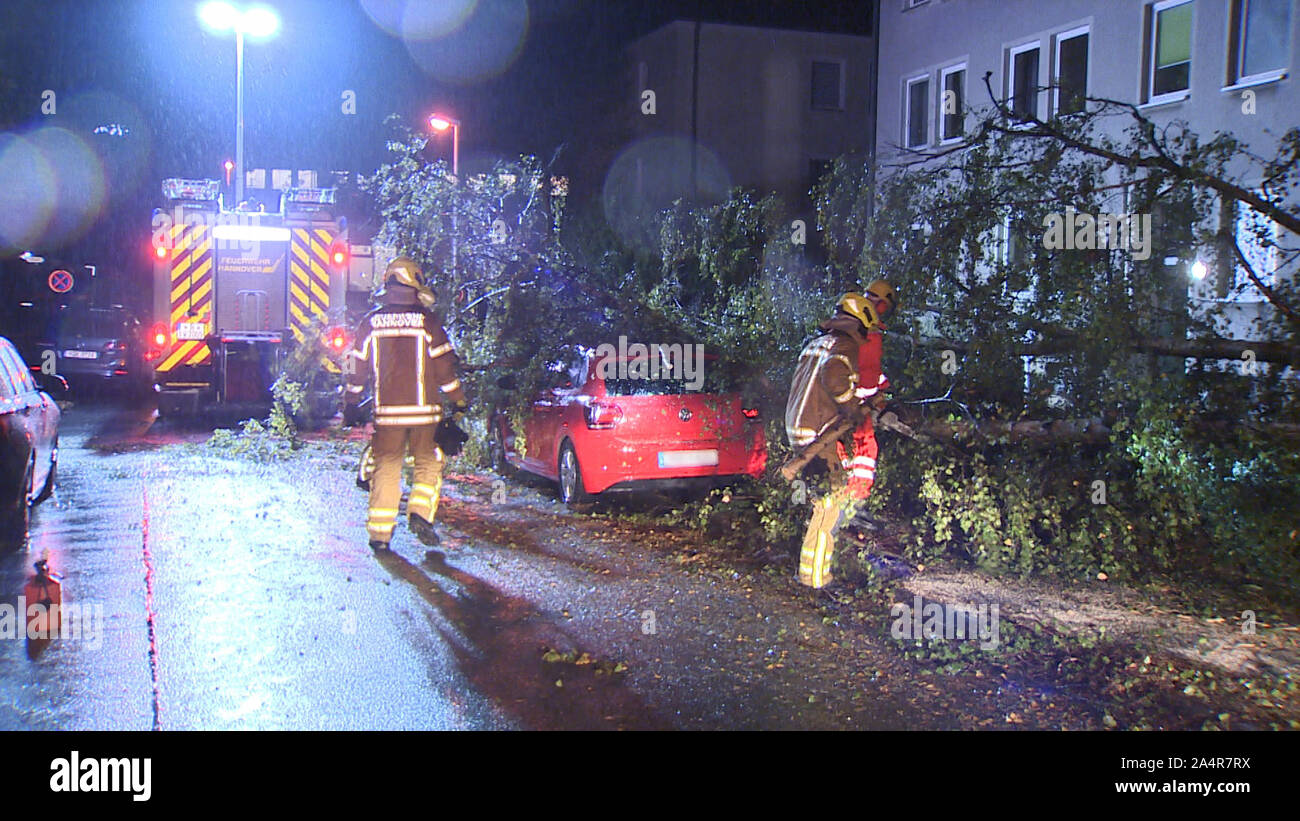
pixel 440 123
pixel 259 23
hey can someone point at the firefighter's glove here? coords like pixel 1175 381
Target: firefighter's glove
pixel 449 437
pixel 878 402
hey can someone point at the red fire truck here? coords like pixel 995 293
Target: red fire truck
pixel 236 292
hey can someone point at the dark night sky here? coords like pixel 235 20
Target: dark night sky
pixel 148 64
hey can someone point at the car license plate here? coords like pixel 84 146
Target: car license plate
pixel 80 355
pixel 687 458
pixel 191 330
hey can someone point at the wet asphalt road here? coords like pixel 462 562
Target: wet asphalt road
pixel 238 594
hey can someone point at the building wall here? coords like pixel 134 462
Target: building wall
pixel 982 33
pixel 750 104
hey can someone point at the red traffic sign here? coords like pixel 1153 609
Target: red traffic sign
pixel 60 281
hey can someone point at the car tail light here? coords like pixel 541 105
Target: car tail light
pixel 750 413
pixel 603 415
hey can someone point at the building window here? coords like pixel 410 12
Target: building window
pixel 916 129
pixel 1071 72
pixel 827 85
pixel 952 103
pixel 1170 49
pixel 1023 86
pixel 1260 31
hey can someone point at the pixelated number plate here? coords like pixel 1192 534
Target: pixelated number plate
pixel 191 330
pixel 687 458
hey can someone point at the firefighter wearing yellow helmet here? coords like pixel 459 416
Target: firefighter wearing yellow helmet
pixel 403 350
pixel 839 374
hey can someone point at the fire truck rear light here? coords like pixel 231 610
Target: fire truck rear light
pixel 160 252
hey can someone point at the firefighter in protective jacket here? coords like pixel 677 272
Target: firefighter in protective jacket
pixel 402 347
pixel 838 374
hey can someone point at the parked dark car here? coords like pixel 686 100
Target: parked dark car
pixel 29 444
pixel 102 348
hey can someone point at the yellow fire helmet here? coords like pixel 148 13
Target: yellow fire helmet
pixel 860 308
pixel 883 290
pixel 405 271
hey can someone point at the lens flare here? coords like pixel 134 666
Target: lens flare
pixel 79 187
pixel 27 193
pixel 483 47
pixel 418 19
pixel 653 172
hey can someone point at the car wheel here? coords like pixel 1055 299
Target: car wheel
pixel 572 490
pixel 48 488
pixel 19 515
pixel 497 453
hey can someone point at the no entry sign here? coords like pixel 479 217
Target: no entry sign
pixel 60 281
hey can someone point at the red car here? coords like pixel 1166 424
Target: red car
pixel 596 434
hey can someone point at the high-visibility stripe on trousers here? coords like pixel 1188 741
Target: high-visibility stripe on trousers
pixel 423 501
pixel 389 445
pixel 829 513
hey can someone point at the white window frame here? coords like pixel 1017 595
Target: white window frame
pixel 911 4
pixel 1239 9
pixel 1079 31
pixel 1011 78
pixel 1173 96
pixel 908 82
pixel 839 105
pixel 942 89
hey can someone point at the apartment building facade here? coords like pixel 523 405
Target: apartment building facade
pixel 1218 65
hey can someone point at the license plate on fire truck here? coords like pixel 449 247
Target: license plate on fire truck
pixel 687 458
pixel 191 330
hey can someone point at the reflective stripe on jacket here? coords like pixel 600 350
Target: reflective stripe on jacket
pixel 404 349
pixel 839 369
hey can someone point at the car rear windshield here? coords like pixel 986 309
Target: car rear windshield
pixel 93 323
pixel 712 382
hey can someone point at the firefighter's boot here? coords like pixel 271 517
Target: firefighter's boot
pixel 426 487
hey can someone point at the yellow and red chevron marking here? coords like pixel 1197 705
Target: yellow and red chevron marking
pixel 309 282
pixel 191 292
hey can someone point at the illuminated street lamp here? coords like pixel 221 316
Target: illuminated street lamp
pixel 257 23
pixel 440 123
